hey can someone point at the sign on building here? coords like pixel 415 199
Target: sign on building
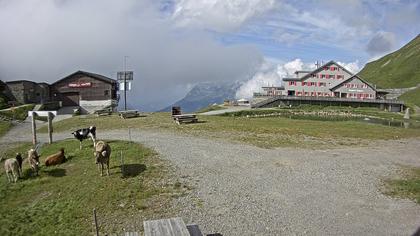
pixel 128 75
pixel 80 85
pixel 122 86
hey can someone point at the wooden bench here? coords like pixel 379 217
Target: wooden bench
pixel 103 112
pixel 170 227
pixel 129 114
pixel 185 118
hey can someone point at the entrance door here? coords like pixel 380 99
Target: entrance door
pixel 71 99
pixel 343 95
pixel 290 93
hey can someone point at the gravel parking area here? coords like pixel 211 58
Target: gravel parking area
pixel 244 190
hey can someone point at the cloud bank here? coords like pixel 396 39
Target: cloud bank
pixel 45 40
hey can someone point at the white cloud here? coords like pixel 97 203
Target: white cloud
pixel 271 74
pixel 353 67
pixel 219 15
pixel 45 40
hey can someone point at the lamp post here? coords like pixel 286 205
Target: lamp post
pixel 125 83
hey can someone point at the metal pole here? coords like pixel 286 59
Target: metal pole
pixel 96 222
pixel 125 83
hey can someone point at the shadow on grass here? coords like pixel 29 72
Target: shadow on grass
pixel 131 170
pixel 69 157
pixel 28 174
pixel 57 172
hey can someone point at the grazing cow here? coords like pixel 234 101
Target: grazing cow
pixel 13 168
pixel 56 158
pixel 82 134
pixel 33 159
pixel 102 154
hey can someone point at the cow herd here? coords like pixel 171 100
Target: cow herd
pixel 102 153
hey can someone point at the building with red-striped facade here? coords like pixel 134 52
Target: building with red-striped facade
pixel 329 80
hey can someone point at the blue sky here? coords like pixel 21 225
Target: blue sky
pixel 173 45
pixel 310 30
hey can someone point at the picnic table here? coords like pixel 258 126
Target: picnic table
pixel 170 227
pixel 185 118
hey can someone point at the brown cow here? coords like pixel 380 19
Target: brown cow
pixel 33 159
pixel 56 158
pixel 102 154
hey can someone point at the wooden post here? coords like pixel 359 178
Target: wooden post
pixel 96 222
pixel 50 130
pixel 122 164
pixel 129 134
pixel 33 129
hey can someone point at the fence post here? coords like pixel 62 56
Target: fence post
pixel 122 164
pixel 50 130
pixel 129 134
pixel 96 222
pixel 33 128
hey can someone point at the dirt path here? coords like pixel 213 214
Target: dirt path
pixel 245 190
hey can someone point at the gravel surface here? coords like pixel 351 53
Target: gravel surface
pixel 244 190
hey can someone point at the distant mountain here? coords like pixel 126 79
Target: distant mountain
pixel 204 94
pixel 400 69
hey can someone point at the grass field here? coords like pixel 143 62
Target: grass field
pixel 263 132
pixel 406 187
pixel 4 127
pixel 60 201
pixel 18 113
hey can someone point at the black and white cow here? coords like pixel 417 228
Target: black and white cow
pixel 85 133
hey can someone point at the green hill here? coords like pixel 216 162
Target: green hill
pixel 400 69
pixel 411 97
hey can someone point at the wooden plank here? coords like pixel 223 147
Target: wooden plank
pixel 131 234
pixel 165 227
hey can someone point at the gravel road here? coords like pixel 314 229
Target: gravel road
pixel 244 190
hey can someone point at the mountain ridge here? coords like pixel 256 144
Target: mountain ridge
pixel 206 93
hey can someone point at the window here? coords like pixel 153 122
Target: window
pixel 332 68
pixel 106 93
pixel 331 76
pixel 322 84
pixel 322 76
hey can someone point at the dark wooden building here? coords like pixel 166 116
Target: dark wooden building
pixel 24 91
pixel 87 90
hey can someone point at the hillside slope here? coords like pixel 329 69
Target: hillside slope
pixel 400 69
pixel 411 97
